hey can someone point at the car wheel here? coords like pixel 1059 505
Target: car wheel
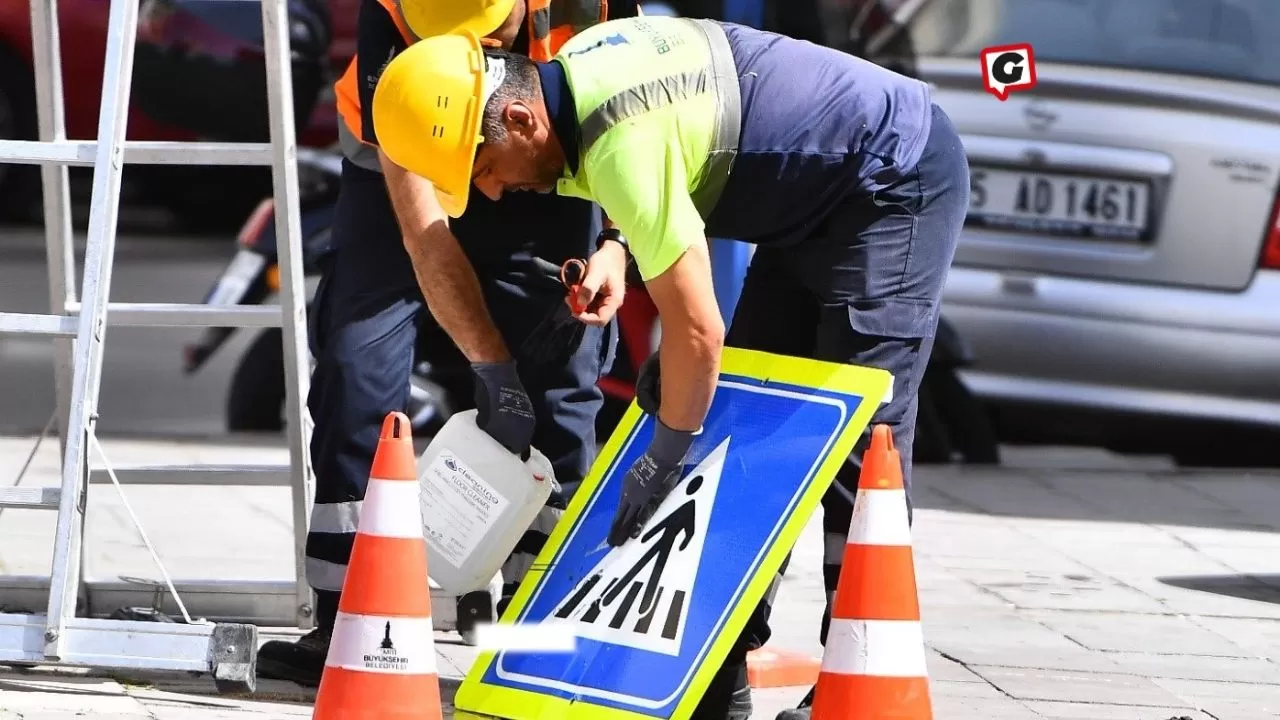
pixel 932 443
pixel 255 401
pixel 20 188
pixel 967 419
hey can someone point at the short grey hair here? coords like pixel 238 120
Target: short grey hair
pixel 518 80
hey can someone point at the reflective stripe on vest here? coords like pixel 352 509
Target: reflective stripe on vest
pixel 719 77
pixel 360 153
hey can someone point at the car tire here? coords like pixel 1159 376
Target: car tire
pixel 255 400
pixel 966 418
pixel 20 188
pixel 932 443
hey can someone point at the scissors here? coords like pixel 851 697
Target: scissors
pixel 574 287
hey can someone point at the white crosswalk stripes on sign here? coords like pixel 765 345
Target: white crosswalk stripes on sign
pixel 639 594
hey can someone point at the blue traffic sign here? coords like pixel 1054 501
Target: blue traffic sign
pixel 655 617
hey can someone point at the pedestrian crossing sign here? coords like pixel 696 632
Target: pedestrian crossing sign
pixel 655 618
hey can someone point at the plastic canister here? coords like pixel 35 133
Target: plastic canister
pixel 478 499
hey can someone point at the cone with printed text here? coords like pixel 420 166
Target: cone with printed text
pixel 382 658
pixel 873 666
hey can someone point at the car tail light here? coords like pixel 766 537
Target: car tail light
pixel 1271 243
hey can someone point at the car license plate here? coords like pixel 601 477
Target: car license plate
pixel 1072 205
pixel 237 278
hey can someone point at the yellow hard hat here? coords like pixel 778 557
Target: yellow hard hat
pixel 429 18
pixel 427 109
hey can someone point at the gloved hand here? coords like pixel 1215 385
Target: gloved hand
pixel 651 478
pixel 503 408
pixel 648 385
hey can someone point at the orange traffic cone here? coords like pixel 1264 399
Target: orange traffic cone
pixel 382 658
pixel 874 663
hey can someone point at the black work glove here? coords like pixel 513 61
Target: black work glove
pixel 651 478
pixel 649 385
pixel 503 408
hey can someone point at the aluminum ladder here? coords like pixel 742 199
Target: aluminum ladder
pixel 227 651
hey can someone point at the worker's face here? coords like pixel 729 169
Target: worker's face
pixel 506 35
pixel 527 158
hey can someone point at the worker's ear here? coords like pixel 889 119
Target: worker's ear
pixel 520 118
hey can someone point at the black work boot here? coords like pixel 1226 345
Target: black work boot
pixel 728 696
pixel 799 712
pixel 301 662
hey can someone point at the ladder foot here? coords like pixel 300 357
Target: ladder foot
pixel 234 650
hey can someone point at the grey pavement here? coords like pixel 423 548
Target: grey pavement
pixel 144 390
pixel 1069 585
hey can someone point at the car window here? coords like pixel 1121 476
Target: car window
pixel 1229 39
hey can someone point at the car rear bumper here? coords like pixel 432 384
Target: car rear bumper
pixel 1106 345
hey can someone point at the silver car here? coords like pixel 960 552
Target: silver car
pixel 1122 252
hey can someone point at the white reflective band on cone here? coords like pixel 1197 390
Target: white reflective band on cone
pixel 880 518
pixel 391 509
pixel 379 644
pixel 887 648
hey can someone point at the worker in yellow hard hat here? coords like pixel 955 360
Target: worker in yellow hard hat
pixel 429 18
pixel 461 83
pixel 847 177
pixel 400 265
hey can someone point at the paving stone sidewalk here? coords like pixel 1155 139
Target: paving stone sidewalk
pixel 1063 586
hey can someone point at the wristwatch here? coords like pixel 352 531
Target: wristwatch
pixel 615 235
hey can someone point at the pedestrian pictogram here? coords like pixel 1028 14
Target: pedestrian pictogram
pixel 655 618
pixel 638 595
pixel 1008 69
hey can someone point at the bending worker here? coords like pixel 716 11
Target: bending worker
pixel 483 280
pixel 851 182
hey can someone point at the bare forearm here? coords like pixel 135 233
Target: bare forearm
pixel 448 282
pixel 687 392
pixel 692 338
pixel 453 295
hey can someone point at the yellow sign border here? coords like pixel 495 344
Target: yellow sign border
pixel 474 696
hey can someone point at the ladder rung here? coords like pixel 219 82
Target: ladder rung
pixel 35 497
pixel 81 152
pixel 188 315
pixel 32 324
pixel 230 475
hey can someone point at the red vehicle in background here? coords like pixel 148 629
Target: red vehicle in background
pixel 198 75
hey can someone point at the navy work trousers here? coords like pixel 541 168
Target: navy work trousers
pixel 863 289
pixel 364 326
